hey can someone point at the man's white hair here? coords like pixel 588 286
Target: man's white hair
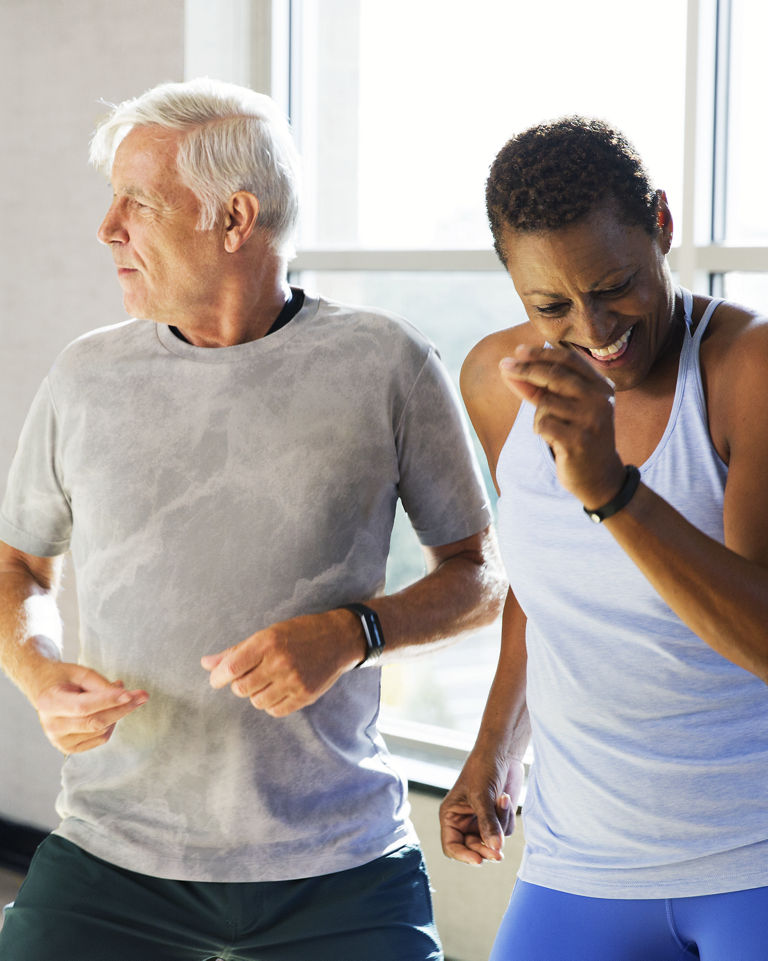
pixel 236 139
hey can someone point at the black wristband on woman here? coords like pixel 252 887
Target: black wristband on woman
pixel 625 495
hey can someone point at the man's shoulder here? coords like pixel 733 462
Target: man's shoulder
pixel 104 338
pixel 81 369
pixel 373 323
pixel 111 340
pixel 382 345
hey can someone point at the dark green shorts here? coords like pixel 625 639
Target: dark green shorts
pixel 75 907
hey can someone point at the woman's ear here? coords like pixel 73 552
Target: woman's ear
pixel 664 221
pixel 240 219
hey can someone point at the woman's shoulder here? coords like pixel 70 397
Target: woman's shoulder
pixel 735 335
pixel 734 365
pixel 485 356
pixel 491 406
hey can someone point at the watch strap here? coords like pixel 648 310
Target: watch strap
pixel 374 636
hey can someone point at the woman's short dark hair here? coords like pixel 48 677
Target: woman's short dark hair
pixel 557 172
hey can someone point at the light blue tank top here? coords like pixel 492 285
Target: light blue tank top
pixel 650 776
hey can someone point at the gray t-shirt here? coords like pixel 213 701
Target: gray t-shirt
pixel 208 493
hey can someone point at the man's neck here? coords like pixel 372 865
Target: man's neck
pixel 246 310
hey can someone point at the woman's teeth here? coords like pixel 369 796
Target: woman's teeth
pixel 612 349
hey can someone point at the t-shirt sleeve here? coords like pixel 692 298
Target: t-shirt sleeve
pixel 441 487
pixel 35 516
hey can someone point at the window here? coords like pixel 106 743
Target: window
pixel 399 109
pixel 744 25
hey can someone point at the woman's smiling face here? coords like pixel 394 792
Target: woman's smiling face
pixel 600 287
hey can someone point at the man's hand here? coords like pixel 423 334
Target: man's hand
pixel 291 664
pixel 479 810
pixel 79 708
pixel 574 415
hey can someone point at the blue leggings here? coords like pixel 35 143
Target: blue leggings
pixel 546 925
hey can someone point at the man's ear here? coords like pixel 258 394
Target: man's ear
pixel 240 219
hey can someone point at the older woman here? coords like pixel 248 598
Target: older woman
pixel 639 594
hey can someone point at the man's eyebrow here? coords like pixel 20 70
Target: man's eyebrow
pixel 137 193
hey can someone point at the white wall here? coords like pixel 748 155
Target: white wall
pixel 57 59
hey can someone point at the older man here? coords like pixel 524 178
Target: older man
pixel 224 468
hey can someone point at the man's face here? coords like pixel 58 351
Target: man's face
pixel 166 267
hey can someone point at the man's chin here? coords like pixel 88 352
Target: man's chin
pixel 135 308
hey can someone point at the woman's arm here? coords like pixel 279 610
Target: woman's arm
pixel 720 591
pixel 480 808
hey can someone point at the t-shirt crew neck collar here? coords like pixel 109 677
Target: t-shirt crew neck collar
pixel 298 308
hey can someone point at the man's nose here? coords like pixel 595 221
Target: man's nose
pixel 112 229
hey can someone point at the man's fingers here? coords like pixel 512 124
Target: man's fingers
pixel 69 700
pixel 109 718
pixel 74 733
pixel 61 727
pixel 230 665
pixel 77 744
pixel 212 661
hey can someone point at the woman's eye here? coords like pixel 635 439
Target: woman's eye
pixel 551 310
pixel 616 291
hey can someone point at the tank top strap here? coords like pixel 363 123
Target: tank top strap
pixel 698 334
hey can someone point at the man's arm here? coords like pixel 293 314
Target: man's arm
pixel 77 707
pixel 291 664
